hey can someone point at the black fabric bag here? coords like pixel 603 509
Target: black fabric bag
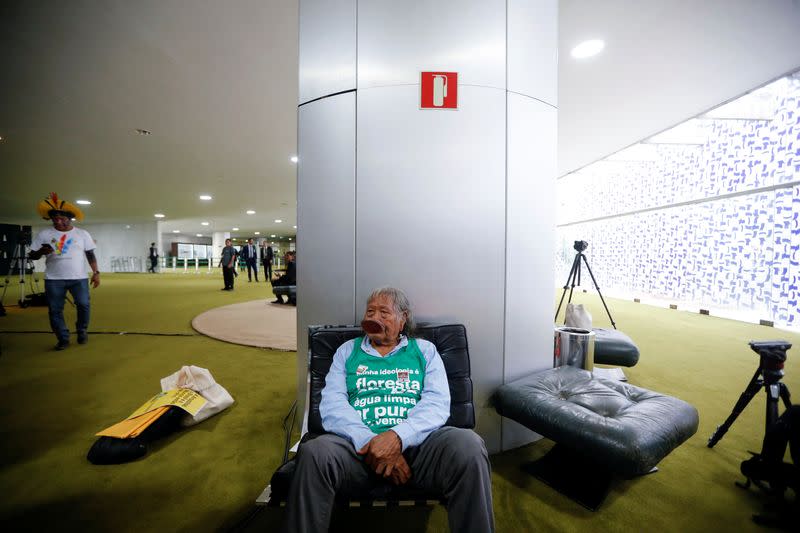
pixel 114 451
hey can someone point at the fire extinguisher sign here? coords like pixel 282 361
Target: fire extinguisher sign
pixel 438 90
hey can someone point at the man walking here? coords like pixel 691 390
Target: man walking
pixel 250 256
pixel 153 258
pixel 228 264
pixel 66 250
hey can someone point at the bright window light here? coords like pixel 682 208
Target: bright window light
pixel 257 233
pixel 159 215
pixel 278 221
pixel 295 227
pixel 83 202
pixel 235 229
pixel 204 223
pixel 205 197
pixel 176 231
pixel 588 48
pixel 250 212
pixel 199 234
pixel 294 159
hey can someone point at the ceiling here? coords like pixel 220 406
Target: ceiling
pixel 215 83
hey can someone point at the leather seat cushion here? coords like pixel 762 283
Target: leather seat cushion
pixel 612 347
pixel 626 429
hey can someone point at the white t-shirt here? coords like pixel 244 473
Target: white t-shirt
pixel 68 258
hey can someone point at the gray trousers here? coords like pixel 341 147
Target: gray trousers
pixel 451 461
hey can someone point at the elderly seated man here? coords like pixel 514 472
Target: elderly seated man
pixel 384 405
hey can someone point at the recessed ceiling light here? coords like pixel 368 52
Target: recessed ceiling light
pixel 159 215
pixel 176 231
pixel 295 227
pixel 278 221
pixel 235 229
pixel 293 159
pixel 257 233
pixel 272 235
pixel 205 197
pixel 1 138
pixel 140 131
pixel 588 48
pixel 127 227
pixel 250 212
pixel 83 202
pixel 72 219
pixel 199 234
pixel 204 223
pixel 290 238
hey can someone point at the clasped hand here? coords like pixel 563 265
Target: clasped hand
pixel 384 455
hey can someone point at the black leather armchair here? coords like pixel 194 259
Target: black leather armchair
pixel 323 341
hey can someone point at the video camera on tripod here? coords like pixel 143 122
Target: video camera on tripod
pixel 14 244
pixel 766 469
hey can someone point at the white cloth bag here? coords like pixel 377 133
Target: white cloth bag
pixel 201 381
pixel 578 317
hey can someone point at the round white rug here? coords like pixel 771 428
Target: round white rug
pixel 258 323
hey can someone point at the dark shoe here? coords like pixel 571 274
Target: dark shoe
pixel 62 345
pixel 292 301
pixel 83 337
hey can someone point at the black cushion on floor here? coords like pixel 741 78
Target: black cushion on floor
pixel 612 347
pixel 628 429
pixel 114 451
pixel 285 290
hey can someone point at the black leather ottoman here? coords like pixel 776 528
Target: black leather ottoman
pixel 612 347
pixel 290 291
pixel 616 428
pixel 627 428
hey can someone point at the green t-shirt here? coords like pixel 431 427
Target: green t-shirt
pixel 383 389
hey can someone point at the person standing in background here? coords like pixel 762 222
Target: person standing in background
pixel 250 256
pixel 228 264
pixel 67 249
pixel 266 256
pixel 153 258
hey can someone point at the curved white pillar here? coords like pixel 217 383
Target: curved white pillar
pixel 453 206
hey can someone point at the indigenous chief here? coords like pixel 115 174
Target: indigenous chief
pixel 385 402
pixel 67 249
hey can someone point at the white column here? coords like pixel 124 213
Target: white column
pixel 376 173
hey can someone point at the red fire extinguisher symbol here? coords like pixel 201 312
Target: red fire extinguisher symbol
pixel 438 90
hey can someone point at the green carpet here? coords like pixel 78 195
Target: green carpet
pixel 206 478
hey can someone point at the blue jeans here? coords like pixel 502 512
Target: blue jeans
pixel 56 292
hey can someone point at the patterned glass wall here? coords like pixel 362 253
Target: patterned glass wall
pixel 706 215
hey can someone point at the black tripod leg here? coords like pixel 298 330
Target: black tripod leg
pixel 613 324
pixel 785 396
pixel 571 276
pixel 751 390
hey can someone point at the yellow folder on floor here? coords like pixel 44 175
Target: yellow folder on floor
pixel 133 427
pixel 187 399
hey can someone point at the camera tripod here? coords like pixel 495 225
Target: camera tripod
pixel 768 375
pixel 574 278
pixel 20 261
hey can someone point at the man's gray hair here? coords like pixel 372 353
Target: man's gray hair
pixel 401 306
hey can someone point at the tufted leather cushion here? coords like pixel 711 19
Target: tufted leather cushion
pixel 612 347
pixel 627 429
pixel 285 290
pixel 450 340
